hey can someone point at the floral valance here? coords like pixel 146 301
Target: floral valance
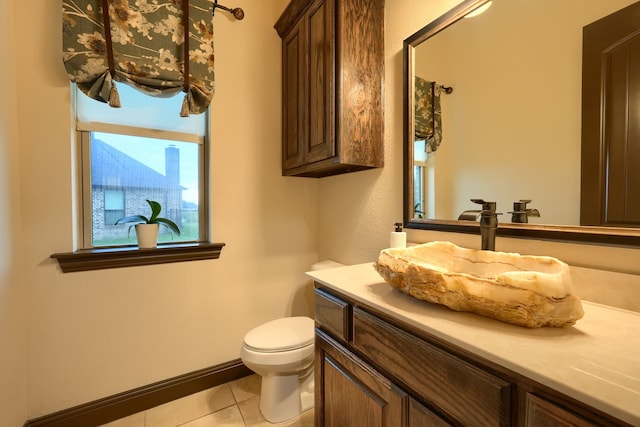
pixel 143 44
pixel 428 120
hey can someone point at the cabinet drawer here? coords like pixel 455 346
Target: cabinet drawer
pixel 468 394
pixel 332 314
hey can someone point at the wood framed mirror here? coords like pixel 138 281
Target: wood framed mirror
pixel 535 145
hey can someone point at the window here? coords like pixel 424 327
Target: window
pixel 141 151
pixel 144 150
pixel 418 191
pixel 113 206
pixel 424 188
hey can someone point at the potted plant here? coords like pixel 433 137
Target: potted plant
pixel 147 228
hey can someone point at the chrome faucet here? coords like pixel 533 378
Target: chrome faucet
pixel 488 222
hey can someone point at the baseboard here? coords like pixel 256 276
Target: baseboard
pixel 121 405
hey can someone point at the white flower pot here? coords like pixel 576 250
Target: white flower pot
pixel 147 235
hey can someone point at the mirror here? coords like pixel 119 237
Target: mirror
pixel 511 126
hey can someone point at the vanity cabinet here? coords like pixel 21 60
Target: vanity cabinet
pixel 332 79
pixel 373 370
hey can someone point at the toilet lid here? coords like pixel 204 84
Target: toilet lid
pixel 283 334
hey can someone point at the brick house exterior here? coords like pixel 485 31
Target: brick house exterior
pixel 121 185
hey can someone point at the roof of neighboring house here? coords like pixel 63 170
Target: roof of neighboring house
pixel 111 167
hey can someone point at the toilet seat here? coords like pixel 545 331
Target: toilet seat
pixel 288 333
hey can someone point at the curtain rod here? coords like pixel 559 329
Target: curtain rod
pixel 236 12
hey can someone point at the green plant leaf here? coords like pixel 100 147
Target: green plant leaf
pixel 133 218
pixel 155 210
pixel 169 224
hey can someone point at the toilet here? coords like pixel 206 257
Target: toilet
pixel 282 353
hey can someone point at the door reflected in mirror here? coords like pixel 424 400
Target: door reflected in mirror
pixel 511 127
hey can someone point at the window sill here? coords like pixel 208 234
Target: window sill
pixel 101 258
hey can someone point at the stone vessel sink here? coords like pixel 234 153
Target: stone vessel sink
pixel 531 291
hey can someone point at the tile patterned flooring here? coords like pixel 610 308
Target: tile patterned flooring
pixel 234 404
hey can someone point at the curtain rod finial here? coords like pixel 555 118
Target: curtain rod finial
pixel 237 12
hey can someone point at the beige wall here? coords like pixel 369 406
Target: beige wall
pixel 357 211
pixel 93 334
pixel 13 397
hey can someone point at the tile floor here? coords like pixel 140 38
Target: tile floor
pixel 234 404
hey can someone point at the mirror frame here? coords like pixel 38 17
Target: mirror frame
pixel 576 234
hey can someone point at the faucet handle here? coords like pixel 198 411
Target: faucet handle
pixel 521 205
pixel 486 206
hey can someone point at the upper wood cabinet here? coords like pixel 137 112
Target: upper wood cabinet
pixel 332 81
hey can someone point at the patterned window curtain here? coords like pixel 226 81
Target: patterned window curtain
pixel 142 45
pixel 428 119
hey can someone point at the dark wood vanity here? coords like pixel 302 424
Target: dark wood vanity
pixel 332 80
pixel 374 370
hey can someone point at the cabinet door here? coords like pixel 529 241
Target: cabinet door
pixel 419 416
pixel 351 394
pixel 308 89
pixel 320 143
pixel 541 413
pixel 294 98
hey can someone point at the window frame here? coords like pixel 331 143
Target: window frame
pixel 83 137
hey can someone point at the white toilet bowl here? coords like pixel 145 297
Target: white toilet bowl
pixel 282 352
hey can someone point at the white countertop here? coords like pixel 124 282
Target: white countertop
pixel 596 361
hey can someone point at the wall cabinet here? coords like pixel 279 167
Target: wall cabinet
pixel 373 370
pixel 332 80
